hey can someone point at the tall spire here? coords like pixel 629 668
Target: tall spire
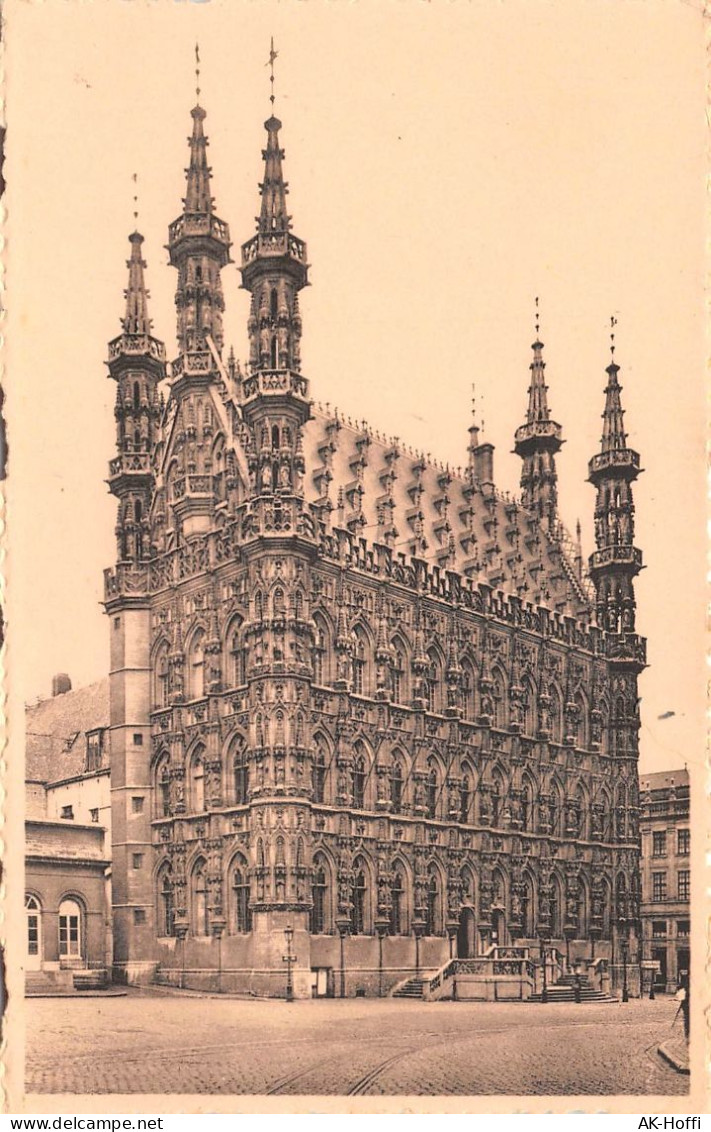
pixel 136 320
pixel 537 442
pixel 137 365
pixel 199 246
pixel 614 436
pixel 616 561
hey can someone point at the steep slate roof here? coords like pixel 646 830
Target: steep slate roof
pixel 664 780
pixel 55 731
pixel 438 514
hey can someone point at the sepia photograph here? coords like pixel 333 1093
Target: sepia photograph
pixel 354 557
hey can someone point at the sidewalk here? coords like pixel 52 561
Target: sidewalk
pixel 675 1052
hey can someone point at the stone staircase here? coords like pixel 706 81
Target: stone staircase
pixel 564 991
pixel 411 989
pixel 38 983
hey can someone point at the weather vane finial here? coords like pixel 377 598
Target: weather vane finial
pixel 197 72
pixel 134 178
pixel 538 318
pixel 613 324
pixel 270 63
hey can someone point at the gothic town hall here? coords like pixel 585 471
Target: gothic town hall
pixel 353 693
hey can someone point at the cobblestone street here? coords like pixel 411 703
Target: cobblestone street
pixel 147 1043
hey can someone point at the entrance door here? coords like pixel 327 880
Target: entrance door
pixel 70 933
pixel 33 934
pixel 660 955
pixel 466 934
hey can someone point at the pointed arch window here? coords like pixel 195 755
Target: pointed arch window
pixel 241 912
pixel 162 671
pixel 318 773
pixel 238 666
pixel 397 676
pixel 396 786
pixel 196 666
pixel 359 665
pixel 200 917
pixel 468 690
pixel 197 784
pixel 166 926
pixel 433 683
pixel 397 903
pixel 359 780
pixel 431 790
pixel 432 907
pixel 465 800
pixel 497 794
pixel 500 701
pixel 162 788
pixel 359 923
pixel 320 652
pixel 240 765
pixel 319 896
pixel 136 395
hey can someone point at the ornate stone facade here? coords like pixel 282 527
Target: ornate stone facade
pixel 396 753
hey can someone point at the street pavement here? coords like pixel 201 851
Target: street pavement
pixel 182 1044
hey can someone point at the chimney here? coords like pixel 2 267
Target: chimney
pixel 61 683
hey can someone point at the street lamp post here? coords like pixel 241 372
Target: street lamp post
pixel 381 928
pixel 544 988
pixel 343 924
pixel 625 989
pixel 289 959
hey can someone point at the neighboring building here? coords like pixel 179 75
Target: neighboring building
pixel 68 830
pixel 666 874
pixel 353 692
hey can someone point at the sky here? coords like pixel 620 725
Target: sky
pixel 447 162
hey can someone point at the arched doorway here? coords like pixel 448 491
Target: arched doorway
pixel 466 934
pixel 33 935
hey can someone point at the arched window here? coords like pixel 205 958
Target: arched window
pixel 397 675
pixel 33 916
pixel 70 930
pixel 279 603
pixel 320 919
pixel 581 738
pixel 528 922
pixel 196 666
pixel 273 300
pixel 258 606
pixel 359 908
pixel 237 665
pixel 162 787
pixel 359 664
pixel 359 779
pixel 497 796
pixel 279 730
pixel 432 911
pixel 200 914
pixel 318 772
pixel 468 689
pixel 527 803
pixel 197 782
pixel 465 799
pixel 556 716
pixel 431 790
pixel 500 700
pixel 433 682
pixel 273 352
pixel 320 652
pixel 529 718
pixel 397 903
pixel 137 510
pixel 136 395
pixel 241 913
pixel 396 783
pixel 166 913
pixel 240 765
pixel 556 907
pixel 161 682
